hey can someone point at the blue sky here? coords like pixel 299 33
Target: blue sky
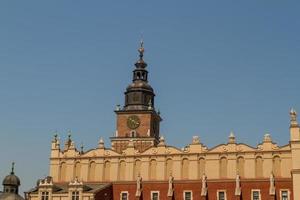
pixel 216 66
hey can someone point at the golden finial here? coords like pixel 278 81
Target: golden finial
pixel 141 49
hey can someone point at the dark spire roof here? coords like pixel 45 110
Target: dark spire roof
pixel 139 93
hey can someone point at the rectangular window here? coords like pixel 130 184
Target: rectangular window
pixel 187 195
pixel 155 195
pixel 255 195
pixel 124 195
pixel 221 195
pixel 45 195
pixel 284 195
pixel 75 195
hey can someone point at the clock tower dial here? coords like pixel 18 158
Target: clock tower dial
pixel 133 122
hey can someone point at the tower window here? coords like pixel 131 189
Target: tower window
pixel 45 195
pixel 75 195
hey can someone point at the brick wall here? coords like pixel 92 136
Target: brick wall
pixel 195 186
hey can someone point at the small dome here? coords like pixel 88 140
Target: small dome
pixel 12 180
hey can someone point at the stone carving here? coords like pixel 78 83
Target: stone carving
pixel 196 140
pixel 204 185
pixel 138 186
pixel 76 182
pixel 293 116
pixel 47 181
pixel 170 189
pixel 237 185
pixel 272 185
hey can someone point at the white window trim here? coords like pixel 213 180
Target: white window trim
pixel 288 191
pixel 224 194
pixel 154 192
pixel 255 190
pixel 184 191
pixel 124 192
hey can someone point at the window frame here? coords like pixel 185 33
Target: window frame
pixel 153 192
pixel 284 190
pixel 256 190
pixel 185 191
pixel 45 195
pixel 225 194
pixel 75 194
pixel 124 192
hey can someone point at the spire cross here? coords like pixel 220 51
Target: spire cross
pixel 12 167
pixel 81 147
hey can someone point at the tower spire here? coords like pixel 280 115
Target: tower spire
pixel 139 93
pixel 12 168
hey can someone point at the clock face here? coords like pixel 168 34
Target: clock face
pixel 133 122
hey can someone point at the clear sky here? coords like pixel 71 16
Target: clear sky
pixel 216 66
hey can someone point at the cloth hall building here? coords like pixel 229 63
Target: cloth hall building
pixel 140 165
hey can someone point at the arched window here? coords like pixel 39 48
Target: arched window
pixel 169 167
pixel 138 75
pixel 201 167
pixel 63 170
pixel 276 166
pixel 259 167
pixel 152 171
pixel 106 175
pixel 137 168
pixel 92 171
pixel 241 166
pixel 77 170
pixel 185 168
pixel 122 170
pixel 223 167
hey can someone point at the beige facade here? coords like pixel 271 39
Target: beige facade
pixel 223 161
pixel 138 151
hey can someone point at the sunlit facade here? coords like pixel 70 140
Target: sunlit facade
pixel 140 164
